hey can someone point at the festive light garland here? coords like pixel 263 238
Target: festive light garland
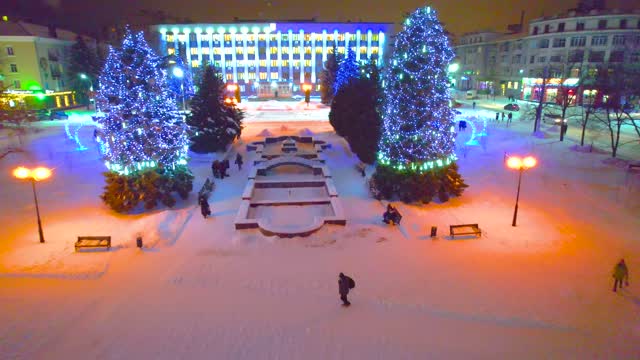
pixel 347 70
pixel 418 131
pixel 141 127
pixel 75 137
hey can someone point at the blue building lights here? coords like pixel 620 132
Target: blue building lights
pixel 256 55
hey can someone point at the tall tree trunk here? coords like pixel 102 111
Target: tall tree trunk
pixel 584 127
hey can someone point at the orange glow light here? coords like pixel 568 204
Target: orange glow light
pixel 232 87
pixel 227 100
pixel 22 172
pixel 306 87
pixel 41 173
pixel 529 162
pixel 514 162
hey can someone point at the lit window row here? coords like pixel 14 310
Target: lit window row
pixel 284 37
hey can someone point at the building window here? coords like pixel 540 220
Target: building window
pixel 623 24
pixel 307 63
pixel 239 50
pixel 195 63
pixel 274 75
pixel 535 30
pixel 546 29
pixel 503 59
pixel 580 26
pixel 14 68
pixel 10 51
pixel 558 43
pixel 616 56
pixel 618 39
pixel 296 63
pixel 263 63
pixel 576 56
pixel 543 43
pixel 205 50
pixel 194 51
pixel 532 59
pixel 542 59
pixel 318 50
pixel 374 50
pixel 170 38
pixel 307 50
pixel 374 37
pixel 274 50
pixel 263 76
pixel 599 40
pixel 229 77
pixel 240 76
pixel 285 62
pixel 602 24
pixel 171 51
pixel 577 41
pixel 16 84
pixel 596 56
pixel 561 27
pixel 216 51
pixel 555 58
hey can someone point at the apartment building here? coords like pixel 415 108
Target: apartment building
pixel 560 46
pixel 33 62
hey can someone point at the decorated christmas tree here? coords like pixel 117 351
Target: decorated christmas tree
pixel 216 124
pixel 141 130
pixel 180 81
pixel 347 71
pixel 328 76
pixel 416 158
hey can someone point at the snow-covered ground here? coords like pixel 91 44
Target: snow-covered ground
pixel 201 290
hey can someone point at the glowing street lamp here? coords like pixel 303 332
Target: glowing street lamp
pixel 515 162
pixel 177 72
pixel 37 174
pixel 85 77
pixel 307 92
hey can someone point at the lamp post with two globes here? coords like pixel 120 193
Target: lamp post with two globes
pixel 515 162
pixel 37 174
pixel 179 73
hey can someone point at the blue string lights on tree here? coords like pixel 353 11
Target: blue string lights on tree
pixel 418 129
pixel 347 71
pixel 180 86
pixel 141 127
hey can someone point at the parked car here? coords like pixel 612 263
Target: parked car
pixel 58 115
pixel 553 119
pixel 41 114
pixel 512 107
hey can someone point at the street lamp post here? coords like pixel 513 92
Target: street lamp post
pixel 37 174
pixel 177 72
pixel 515 162
pixel 85 77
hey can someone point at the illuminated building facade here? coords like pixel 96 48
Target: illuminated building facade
pixel 272 59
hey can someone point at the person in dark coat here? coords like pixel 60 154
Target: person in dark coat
pixel 620 273
pixel 204 207
pixel 343 288
pixel 214 168
pixel 503 116
pixel 497 117
pixel 510 117
pixel 239 161
pixel 224 166
pixel 474 105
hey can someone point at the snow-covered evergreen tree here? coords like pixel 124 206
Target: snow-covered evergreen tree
pixel 417 147
pixel 216 124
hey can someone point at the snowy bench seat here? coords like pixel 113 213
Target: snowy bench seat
pixel 93 242
pixel 465 229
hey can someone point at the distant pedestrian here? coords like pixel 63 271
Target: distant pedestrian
pixel 225 167
pixel 502 116
pixel 215 168
pixel 620 272
pixel 474 105
pixel 462 125
pixel 345 284
pixel 510 117
pixel 239 161
pixel 497 117
pixel 204 207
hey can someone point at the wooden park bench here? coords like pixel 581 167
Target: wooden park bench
pixel 93 242
pixel 465 229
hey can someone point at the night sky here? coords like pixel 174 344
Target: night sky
pixel 459 16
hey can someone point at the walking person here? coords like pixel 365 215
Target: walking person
pixel 510 117
pixel 204 207
pixel 620 272
pixel 497 116
pixel 239 161
pixel 474 105
pixel 345 283
pixel 214 168
pixel 503 116
pixel 225 167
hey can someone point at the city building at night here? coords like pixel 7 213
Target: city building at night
pixel 564 46
pixel 272 59
pixel 33 63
